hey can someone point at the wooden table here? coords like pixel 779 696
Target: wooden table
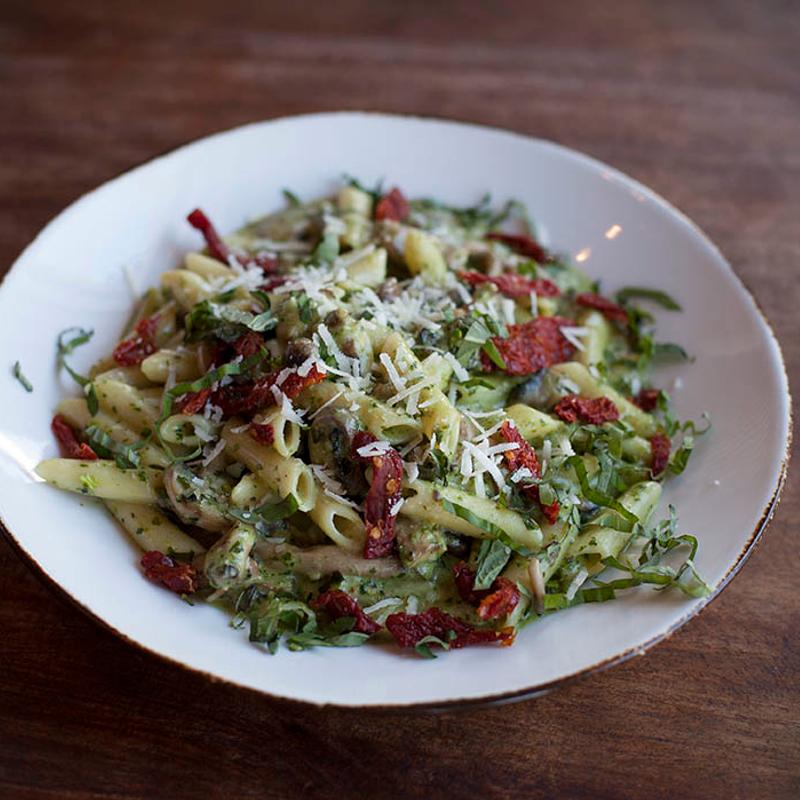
pixel 700 101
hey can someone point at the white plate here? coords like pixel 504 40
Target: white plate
pixel 73 274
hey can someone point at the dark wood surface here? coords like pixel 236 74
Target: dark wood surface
pixel 699 100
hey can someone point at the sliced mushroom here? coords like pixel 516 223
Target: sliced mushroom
pixel 189 499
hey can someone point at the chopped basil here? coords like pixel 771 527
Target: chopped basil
pixel 224 322
pixel 490 348
pixel 291 198
pixel 597 497
pixel 375 193
pixel 423 645
pixel 484 525
pixel 105 446
pixel 266 514
pixel 492 559
pixel 657 296
pixel 68 341
pixel 19 375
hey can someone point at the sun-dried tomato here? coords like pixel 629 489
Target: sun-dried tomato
pixel 589 410
pixel 263 433
pixel 273 283
pixel 606 307
pixel 393 206
pixel 660 446
pixel 295 384
pixel 175 576
pixel 524 245
pixel 383 495
pixel 501 601
pixel 192 402
pixel 512 284
pixel 492 603
pixel 550 511
pixel 409 629
pixel 135 349
pixel 242 398
pixel 525 457
pixel 647 399
pixel 532 346
pixel 68 442
pixel 219 250
pixel 248 344
pixel 340 604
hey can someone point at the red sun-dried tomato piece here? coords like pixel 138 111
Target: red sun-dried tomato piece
pixel 242 398
pixel 263 433
pixel 295 383
pixel 501 601
pixel 340 604
pixel 647 399
pixel 219 250
pixel 273 283
pixel 192 402
pixel 606 307
pixel 519 243
pixel 589 410
pixel 512 284
pixel 68 442
pixel 464 579
pixel 660 447
pixel 532 346
pixel 492 603
pixel 393 205
pixel 550 511
pixel 136 348
pixel 175 576
pixel 383 495
pixel 525 456
pixel 248 344
pixel 409 629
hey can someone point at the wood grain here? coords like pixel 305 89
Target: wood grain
pixel 700 101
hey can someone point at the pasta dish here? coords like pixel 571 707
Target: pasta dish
pixel 366 417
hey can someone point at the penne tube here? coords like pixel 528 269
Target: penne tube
pixel 179 365
pixel 340 523
pixel 285 476
pixel 427 502
pixel 101 478
pixel 150 529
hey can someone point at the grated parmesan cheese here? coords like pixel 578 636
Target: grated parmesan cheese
pixel 391 372
pixel 573 334
pixel 374 449
pixel 458 369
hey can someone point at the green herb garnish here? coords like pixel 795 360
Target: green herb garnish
pixel 19 375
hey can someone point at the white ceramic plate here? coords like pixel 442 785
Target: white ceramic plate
pixel 72 274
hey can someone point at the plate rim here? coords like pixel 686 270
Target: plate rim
pixel 486 700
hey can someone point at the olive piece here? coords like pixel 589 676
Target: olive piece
pixel 297 351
